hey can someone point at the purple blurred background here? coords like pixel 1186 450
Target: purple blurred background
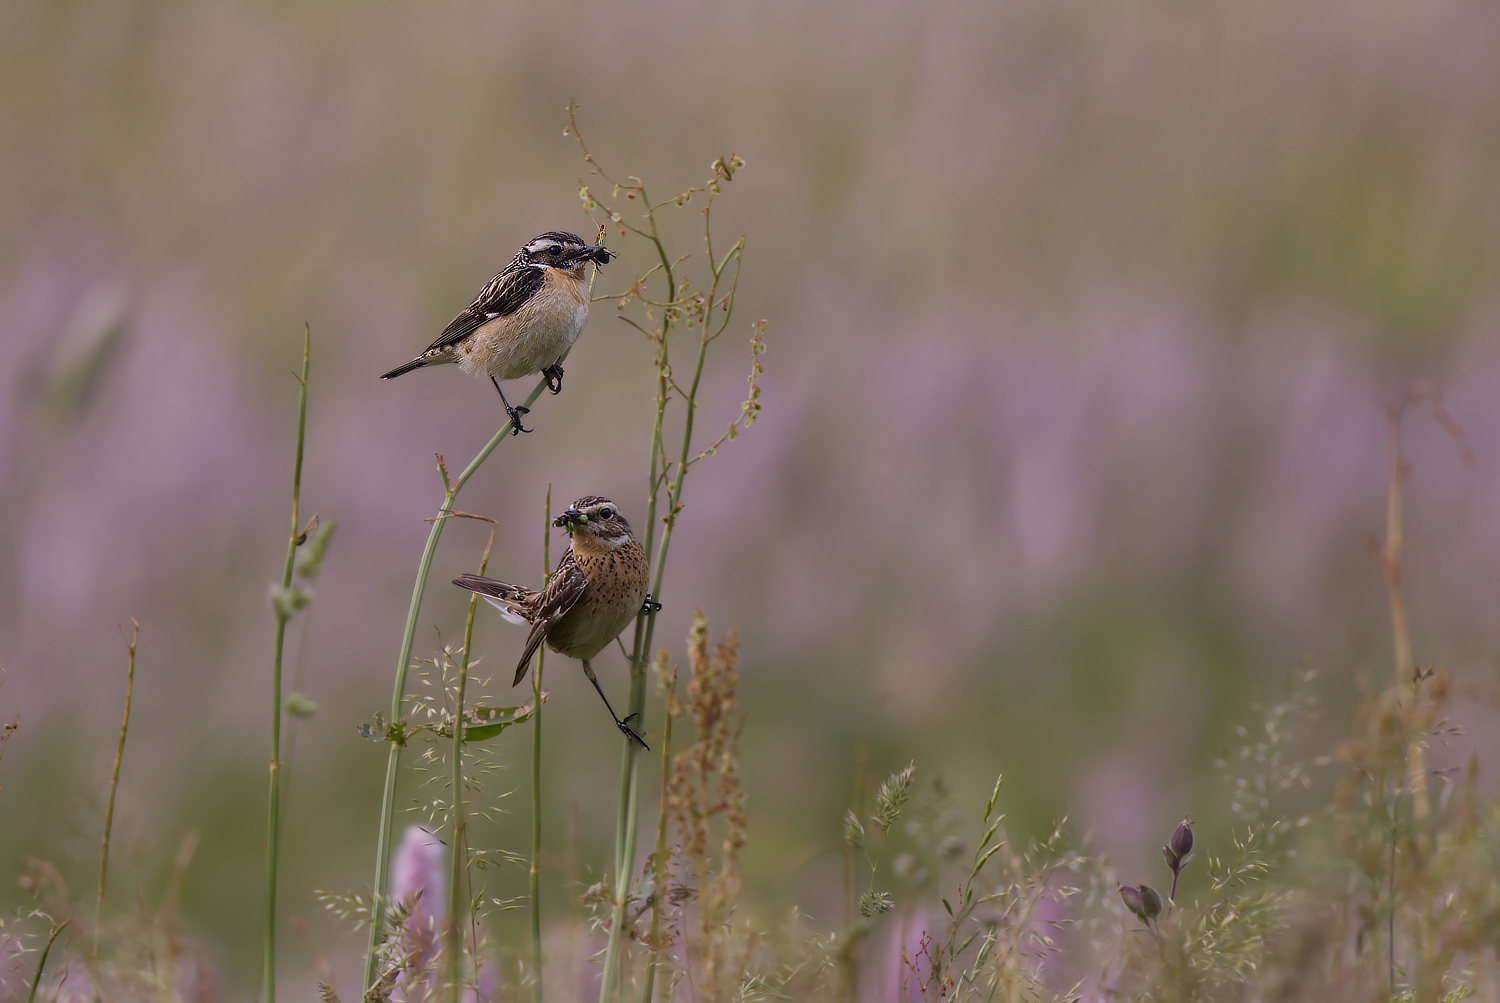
pixel 1083 324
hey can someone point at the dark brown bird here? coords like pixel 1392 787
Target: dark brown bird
pixel 598 588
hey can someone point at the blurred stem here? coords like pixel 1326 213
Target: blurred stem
pixel 114 783
pixel 659 860
pixel 398 693
pixel 283 612
pixel 536 765
pixel 458 855
pixel 41 962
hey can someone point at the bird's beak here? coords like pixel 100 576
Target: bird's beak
pixel 572 517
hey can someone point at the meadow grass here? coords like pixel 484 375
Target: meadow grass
pixel 1352 873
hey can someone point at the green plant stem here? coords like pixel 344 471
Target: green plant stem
pixel 41 962
pixel 457 852
pixel 536 766
pixel 625 830
pixel 114 785
pixel 659 861
pixel 273 814
pixel 398 693
pixel 645 626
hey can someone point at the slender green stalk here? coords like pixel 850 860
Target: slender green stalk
pixel 398 693
pixel 283 613
pixel 624 824
pixel 626 831
pixel 626 827
pixel 114 784
pixel 536 766
pixel 457 850
pixel 659 870
pixel 41 962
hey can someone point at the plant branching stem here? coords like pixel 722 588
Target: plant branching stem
pixel 536 767
pixel 625 831
pixel 398 694
pixel 273 813
pixel 114 785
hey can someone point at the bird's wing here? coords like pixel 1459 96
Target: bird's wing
pixel 563 590
pixel 501 297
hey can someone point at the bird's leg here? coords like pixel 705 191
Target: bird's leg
pixel 624 725
pixel 514 412
pixel 649 606
pixel 554 378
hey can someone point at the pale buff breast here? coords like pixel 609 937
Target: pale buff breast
pixel 532 338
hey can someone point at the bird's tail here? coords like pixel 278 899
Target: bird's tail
pixel 513 601
pixel 416 363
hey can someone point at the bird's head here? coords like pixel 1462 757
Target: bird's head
pixel 564 250
pixel 597 521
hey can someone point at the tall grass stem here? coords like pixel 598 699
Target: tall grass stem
pixel 629 807
pixel 283 613
pixel 659 860
pixel 398 694
pixel 536 766
pixel 41 961
pixel 114 782
pixel 457 850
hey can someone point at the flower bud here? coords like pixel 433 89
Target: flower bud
pixel 1182 840
pixel 1150 903
pixel 1143 901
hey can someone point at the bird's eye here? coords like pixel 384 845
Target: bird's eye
pixel 555 250
pixel 605 513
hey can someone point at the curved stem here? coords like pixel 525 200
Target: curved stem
pixel 114 785
pixel 398 693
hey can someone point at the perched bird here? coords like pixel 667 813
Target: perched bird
pixel 522 322
pixel 599 587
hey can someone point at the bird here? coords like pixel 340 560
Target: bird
pixel 524 320
pixel 600 585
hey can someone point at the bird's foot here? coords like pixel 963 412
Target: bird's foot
pixel 554 378
pixel 629 732
pixel 650 606
pixel 515 418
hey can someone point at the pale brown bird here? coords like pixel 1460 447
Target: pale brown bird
pixel 598 588
pixel 522 322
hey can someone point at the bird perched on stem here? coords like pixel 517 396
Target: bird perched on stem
pixel 523 321
pixel 598 588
